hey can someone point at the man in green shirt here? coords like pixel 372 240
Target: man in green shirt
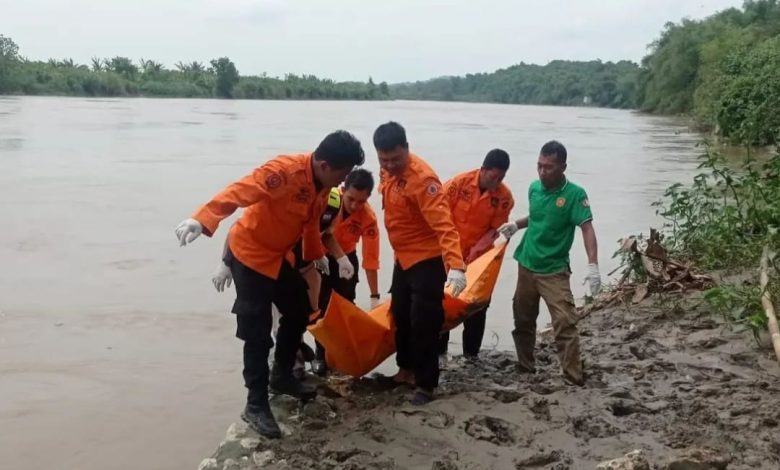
pixel 556 206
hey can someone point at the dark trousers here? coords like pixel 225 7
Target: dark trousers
pixel 416 304
pixel 334 283
pixel 473 332
pixel 254 295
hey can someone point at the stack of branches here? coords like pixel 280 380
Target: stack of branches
pixel 647 269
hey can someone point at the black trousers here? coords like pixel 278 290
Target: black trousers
pixel 416 304
pixel 473 332
pixel 255 293
pixel 334 283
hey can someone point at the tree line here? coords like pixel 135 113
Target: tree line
pixel 121 76
pixel 724 70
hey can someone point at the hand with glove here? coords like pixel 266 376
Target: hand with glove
pixel 222 277
pixel 508 229
pixel 374 301
pixel 593 279
pixel 188 231
pixel 323 265
pixel 346 270
pixel 456 279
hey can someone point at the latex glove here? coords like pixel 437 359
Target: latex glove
pixel 222 277
pixel 346 270
pixel 508 229
pixel 188 231
pixel 457 280
pixel 323 265
pixel 594 279
pixel 374 303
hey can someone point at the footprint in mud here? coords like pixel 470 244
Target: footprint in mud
pixel 374 429
pixel 646 348
pixel 590 427
pixel 505 396
pixel 543 459
pixel 431 418
pixel 540 407
pixel 493 430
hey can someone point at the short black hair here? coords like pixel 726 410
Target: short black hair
pixel 360 179
pixel 496 158
pixel 340 150
pixel 556 149
pixel 390 135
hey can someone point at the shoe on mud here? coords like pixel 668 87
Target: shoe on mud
pixel 421 397
pixel 319 367
pixel 289 385
pixel 261 420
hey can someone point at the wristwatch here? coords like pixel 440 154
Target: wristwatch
pixel 375 296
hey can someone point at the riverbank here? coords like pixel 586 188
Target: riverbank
pixel 671 384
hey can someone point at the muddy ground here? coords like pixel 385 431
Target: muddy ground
pixel 664 383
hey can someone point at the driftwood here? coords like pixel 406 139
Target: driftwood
pixel 663 275
pixel 766 301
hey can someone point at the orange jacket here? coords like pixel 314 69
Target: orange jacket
pixel 281 205
pixel 417 216
pixel 360 225
pixel 476 213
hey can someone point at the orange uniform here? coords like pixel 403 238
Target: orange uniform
pixel 361 224
pixel 417 216
pixel 281 203
pixel 475 212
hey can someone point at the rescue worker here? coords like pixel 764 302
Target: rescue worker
pixel 427 255
pixel 282 201
pixel 555 207
pixel 480 204
pixel 355 222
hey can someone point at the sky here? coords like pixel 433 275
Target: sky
pixel 388 40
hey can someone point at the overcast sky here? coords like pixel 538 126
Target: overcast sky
pixel 390 40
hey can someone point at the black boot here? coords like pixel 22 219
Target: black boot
pixel 285 384
pixel 261 420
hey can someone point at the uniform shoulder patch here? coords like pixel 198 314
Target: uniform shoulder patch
pixel 274 180
pixel 432 186
pixel 585 202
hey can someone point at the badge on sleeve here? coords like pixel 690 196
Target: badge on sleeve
pixel 273 181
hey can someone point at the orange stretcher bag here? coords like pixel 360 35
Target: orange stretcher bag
pixel 356 342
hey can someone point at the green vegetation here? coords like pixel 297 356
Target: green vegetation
pixel 560 82
pixel 724 69
pixel 120 76
pixel 722 221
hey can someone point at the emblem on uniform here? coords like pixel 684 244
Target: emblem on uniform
pixel 505 205
pixel 371 233
pixel 273 181
pixel 585 203
pixel 432 189
pixel 493 202
pixel 560 202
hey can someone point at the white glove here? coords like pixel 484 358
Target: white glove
pixel 346 270
pixel 323 265
pixel 188 231
pixel 374 303
pixel 457 280
pixel 594 279
pixel 508 229
pixel 222 277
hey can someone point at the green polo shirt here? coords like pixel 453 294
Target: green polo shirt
pixel 553 216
